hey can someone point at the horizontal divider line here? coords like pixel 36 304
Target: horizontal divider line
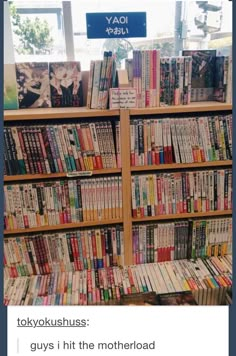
pixel 180 109
pixel 63 226
pixel 181 166
pixel 56 113
pixel 183 216
pixel 22 177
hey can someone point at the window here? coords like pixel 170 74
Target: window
pixel 160 28
pixel 37 28
pixel 171 25
pixel 217 22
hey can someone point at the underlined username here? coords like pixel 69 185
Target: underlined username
pixel 51 323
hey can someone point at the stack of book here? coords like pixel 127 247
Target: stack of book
pixel 62 202
pixel 102 77
pixel 64 251
pixel 181 140
pixel 61 148
pixel 183 239
pixel 207 279
pixel 181 192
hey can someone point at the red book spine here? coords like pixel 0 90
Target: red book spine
pixel 83 244
pixel 94 248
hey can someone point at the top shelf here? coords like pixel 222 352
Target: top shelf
pixel 193 107
pixel 55 113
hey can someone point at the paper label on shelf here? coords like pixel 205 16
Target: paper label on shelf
pixel 123 98
pixel 79 174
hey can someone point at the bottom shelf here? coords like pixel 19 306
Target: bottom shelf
pixel 207 279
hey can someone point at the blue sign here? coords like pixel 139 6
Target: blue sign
pixel 116 24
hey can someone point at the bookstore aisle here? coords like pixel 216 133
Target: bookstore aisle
pixel 119 206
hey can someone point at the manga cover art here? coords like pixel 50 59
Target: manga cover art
pixel 10 91
pixel 66 84
pixel 33 85
pixel 203 74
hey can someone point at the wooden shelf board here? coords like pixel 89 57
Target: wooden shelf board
pixel 193 107
pixel 83 112
pixel 161 167
pixel 183 216
pixel 56 113
pixel 63 227
pixel 23 177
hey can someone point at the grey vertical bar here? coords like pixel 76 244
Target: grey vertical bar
pixel 68 30
pixel 18 345
pixel 3 309
pixel 178 28
pixel 232 308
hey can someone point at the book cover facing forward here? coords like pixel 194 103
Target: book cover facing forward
pixel 10 91
pixel 33 85
pixel 66 84
pixel 203 74
pixel 146 298
pixel 178 298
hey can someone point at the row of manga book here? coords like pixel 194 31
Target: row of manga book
pixel 159 242
pixel 181 140
pixel 64 251
pixel 42 84
pixel 159 81
pixel 61 148
pixel 102 77
pixel 208 280
pixel 197 75
pixel 62 202
pixel 104 247
pixel 185 192
pixel 211 76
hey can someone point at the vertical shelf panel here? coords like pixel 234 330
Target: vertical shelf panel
pixel 126 184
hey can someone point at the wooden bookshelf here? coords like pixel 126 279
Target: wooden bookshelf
pixel 204 106
pixel 30 177
pixel 15 116
pixel 184 216
pixel 63 227
pixel 164 167
pixel 56 113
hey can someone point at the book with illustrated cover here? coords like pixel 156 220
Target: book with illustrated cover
pixel 221 78
pixel 33 85
pixel 10 90
pixel 203 74
pixel 146 298
pixel 178 298
pixel 66 84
